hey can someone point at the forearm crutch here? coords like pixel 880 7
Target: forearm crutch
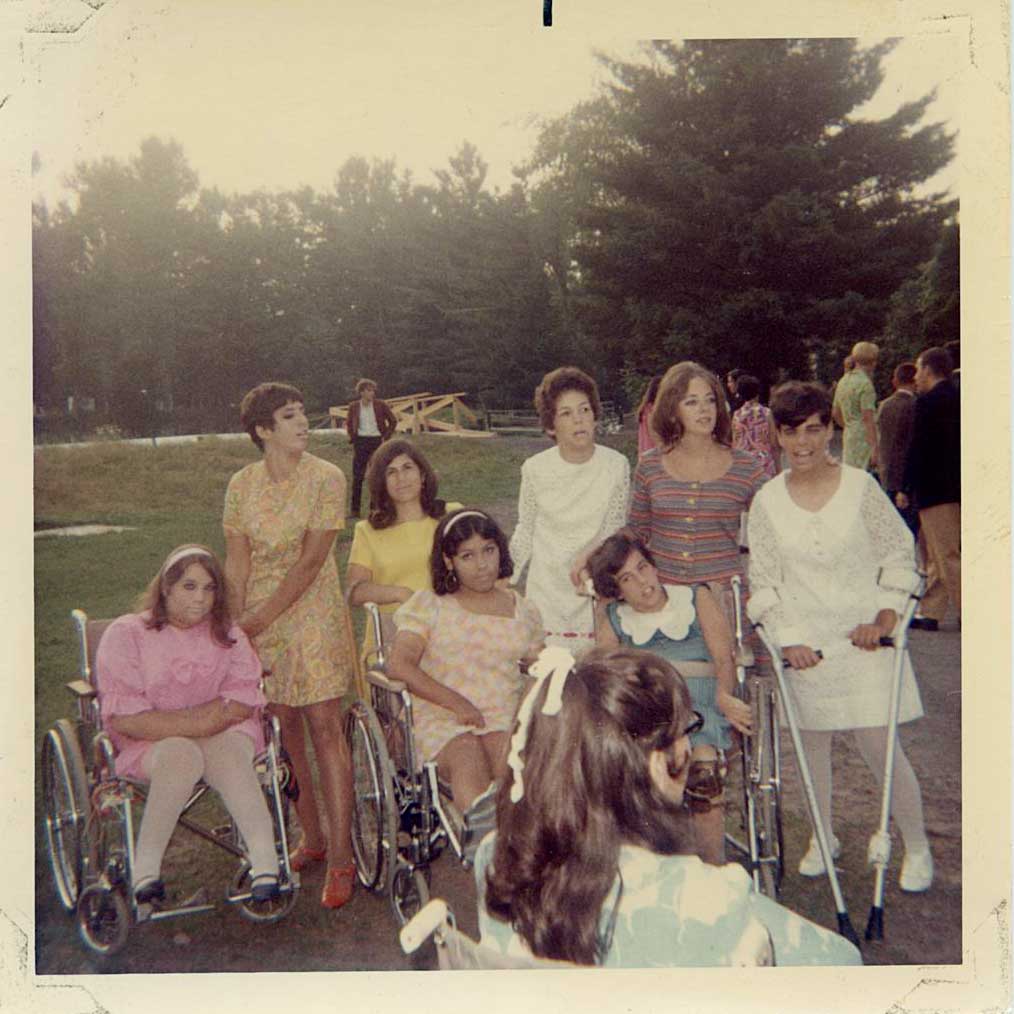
pixel 844 923
pixel 879 853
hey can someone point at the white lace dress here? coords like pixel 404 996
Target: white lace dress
pixel 564 508
pixel 814 578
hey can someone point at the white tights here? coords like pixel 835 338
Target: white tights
pixel 225 762
pixel 906 799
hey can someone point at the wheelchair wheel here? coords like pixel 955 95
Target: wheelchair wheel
pixel 65 801
pixel 261 911
pixel 103 919
pixel 374 821
pixel 767 808
pixel 410 891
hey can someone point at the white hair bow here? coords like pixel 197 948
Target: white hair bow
pixel 555 664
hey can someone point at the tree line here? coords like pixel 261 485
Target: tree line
pixel 719 200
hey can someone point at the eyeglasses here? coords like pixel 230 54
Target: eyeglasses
pixel 696 724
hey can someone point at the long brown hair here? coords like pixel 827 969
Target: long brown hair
pixel 383 513
pixel 673 389
pixel 153 599
pixel 587 791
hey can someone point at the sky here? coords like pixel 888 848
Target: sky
pixel 277 98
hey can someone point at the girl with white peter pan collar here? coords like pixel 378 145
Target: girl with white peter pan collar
pixel 686 626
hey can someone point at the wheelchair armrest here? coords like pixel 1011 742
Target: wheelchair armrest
pixel 378 679
pixel 81 689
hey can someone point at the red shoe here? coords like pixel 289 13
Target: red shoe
pixel 302 857
pixel 339 883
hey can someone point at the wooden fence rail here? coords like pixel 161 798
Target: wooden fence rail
pixel 415 413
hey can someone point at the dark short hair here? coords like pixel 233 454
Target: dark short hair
pixel 938 361
pixel 904 373
pixel 673 389
pixel 365 382
pixel 259 406
pixel 382 510
pixel 449 536
pixel 954 348
pixel 795 401
pixel 555 383
pixel 747 387
pixel 608 560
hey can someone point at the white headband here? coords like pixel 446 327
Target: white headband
pixel 464 514
pixel 180 553
pixel 555 664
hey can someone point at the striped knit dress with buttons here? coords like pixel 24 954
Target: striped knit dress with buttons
pixel 692 528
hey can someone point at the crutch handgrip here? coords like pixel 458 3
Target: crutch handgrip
pixel 422 925
pixel 879 851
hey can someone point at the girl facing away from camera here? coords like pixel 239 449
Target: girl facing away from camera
pixel 685 626
pixel 179 689
pixel 590 862
pixel 572 495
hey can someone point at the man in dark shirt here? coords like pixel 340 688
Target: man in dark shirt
pixel 932 482
pixel 894 437
pixel 370 422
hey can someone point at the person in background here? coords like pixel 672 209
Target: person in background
pixel 370 422
pixel 590 861
pixel 953 349
pixel 753 429
pixel 572 496
pixel 731 382
pixel 282 516
pixel 853 408
pixel 932 483
pixel 894 434
pixel 645 437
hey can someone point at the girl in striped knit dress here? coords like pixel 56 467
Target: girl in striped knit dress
pixel 690 492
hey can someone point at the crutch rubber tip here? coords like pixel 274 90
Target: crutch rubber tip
pixel 875 926
pixel 846 930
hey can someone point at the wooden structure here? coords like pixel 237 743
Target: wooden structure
pixel 416 413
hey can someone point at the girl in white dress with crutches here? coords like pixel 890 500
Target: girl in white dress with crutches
pixel 823 537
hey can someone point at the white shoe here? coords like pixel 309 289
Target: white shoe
pixel 916 871
pixel 812 864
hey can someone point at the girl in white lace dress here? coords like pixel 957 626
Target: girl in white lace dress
pixel 820 535
pixel 572 496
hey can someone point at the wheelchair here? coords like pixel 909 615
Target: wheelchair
pixel 403 817
pixel 760 839
pixel 89 818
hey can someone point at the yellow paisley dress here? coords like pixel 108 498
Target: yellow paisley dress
pixel 308 649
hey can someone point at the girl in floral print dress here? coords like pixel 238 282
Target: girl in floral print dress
pixel 282 515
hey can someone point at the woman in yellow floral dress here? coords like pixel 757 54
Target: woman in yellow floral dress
pixel 282 515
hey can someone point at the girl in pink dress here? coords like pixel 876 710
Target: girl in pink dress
pixel 457 650
pixel 179 688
